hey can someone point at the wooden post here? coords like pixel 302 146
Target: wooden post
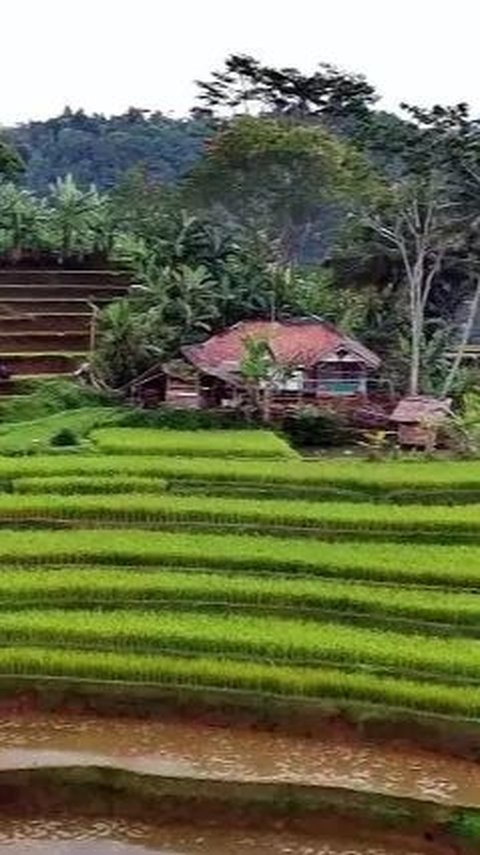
pixel 93 329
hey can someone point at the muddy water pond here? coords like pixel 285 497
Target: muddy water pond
pixel 66 836
pixel 177 748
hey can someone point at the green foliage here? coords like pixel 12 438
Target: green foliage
pixel 185 419
pixel 259 677
pixel 64 437
pixel 463 429
pixel 314 291
pixel 122 352
pixel 328 93
pixel 78 219
pixel 67 225
pixel 23 221
pixel 274 175
pixel 32 437
pixel 99 150
pixel 48 397
pixel 311 427
pixel 257 362
pixel 466 825
pixel 11 164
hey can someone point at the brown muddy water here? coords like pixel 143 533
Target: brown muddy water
pixel 178 748
pixel 67 836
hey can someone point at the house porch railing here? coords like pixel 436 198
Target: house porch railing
pixel 325 386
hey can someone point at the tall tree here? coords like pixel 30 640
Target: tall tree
pixel 245 84
pixel 449 139
pixel 420 226
pixel 274 176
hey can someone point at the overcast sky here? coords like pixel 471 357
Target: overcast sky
pixel 107 55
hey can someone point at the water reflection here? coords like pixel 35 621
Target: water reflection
pixel 179 748
pixel 67 836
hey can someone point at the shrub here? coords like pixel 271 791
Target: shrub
pixel 184 419
pixel 34 436
pixel 64 437
pixel 311 427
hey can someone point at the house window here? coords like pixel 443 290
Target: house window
pixel 341 377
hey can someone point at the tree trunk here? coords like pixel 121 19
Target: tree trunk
pixel 415 362
pixel 467 331
pixel 416 321
pixel 266 403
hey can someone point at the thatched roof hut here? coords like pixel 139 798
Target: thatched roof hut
pixel 418 418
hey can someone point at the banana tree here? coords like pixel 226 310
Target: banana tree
pixel 78 216
pixel 24 221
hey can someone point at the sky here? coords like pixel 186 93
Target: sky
pixel 107 55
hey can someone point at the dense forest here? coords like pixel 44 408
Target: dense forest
pixel 99 150
pixel 283 193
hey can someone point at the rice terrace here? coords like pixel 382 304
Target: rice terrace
pixel 214 579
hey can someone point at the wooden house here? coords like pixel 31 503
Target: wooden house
pixel 313 362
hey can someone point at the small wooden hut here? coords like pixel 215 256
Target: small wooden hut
pixel 418 418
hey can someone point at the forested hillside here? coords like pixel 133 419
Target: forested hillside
pixel 99 150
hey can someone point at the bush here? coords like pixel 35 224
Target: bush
pixel 311 427
pixel 183 419
pixel 64 437
pixel 20 438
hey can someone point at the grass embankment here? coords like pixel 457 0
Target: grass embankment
pixel 198 443
pixel 256 677
pixel 33 436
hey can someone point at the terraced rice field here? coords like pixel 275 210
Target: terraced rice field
pixel 323 592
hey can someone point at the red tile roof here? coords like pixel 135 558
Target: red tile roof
pixel 296 342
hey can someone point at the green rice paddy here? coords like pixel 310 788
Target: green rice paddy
pixel 257 590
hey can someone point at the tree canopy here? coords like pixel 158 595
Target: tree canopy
pixel 11 163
